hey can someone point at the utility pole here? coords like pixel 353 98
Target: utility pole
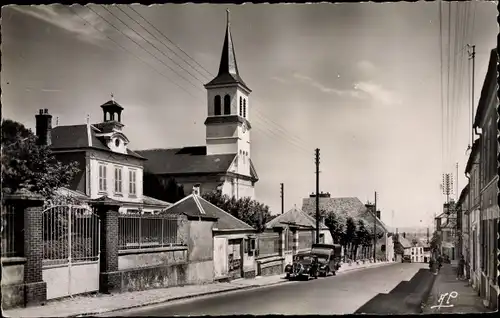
pixel 375 228
pixel 317 195
pixel 456 185
pixel 282 198
pixel 427 235
pixel 472 56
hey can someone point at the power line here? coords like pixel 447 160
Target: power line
pixel 124 49
pixel 202 81
pixel 131 8
pixel 442 95
pixel 126 25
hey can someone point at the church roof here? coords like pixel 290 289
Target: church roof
pixel 294 217
pixel 80 137
pixel 228 68
pixel 195 206
pixel 188 160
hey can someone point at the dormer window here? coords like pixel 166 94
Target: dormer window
pixel 117 142
pixel 227 105
pixel 217 106
pixel 244 108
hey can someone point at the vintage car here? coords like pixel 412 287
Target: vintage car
pixel 304 266
pixel 328 257
pixel 406 259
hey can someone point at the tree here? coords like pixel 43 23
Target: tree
pixel 247 210
pixel 29 166
pixel 414 241
pixel 336 224
pixel 362 235
pixel 435 242
pixel 153 187
pixel 349 236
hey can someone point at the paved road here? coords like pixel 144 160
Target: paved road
pixel 342 294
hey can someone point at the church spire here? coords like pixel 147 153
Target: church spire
pixel 228 68
pixel 228 58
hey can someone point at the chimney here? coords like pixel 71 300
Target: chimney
pixel 196 189
pixel 378 214
pixel 404 234
pixel 44 127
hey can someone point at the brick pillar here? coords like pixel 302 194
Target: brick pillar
pixel 35 289
pixel 110 278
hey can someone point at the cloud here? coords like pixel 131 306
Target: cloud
pixel 366 66
pixel 378 93
pixel 325 89
pixel 71 19
pixel 279 79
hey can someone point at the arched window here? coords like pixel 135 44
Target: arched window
pixel 227 105
pixel 241 106
pixel 217 106
pixel 245 108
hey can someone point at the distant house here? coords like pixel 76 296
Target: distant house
pixel 351 207
pixel 419 254
pixel 232 238
pixel 107 167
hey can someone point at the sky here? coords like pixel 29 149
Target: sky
pixel 360 81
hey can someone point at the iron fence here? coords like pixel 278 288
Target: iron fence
pixel 12 232
pixel 70 234
pixel 147 231
pixel 268 244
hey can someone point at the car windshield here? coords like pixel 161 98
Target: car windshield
pixel 322 258
pixel 307 258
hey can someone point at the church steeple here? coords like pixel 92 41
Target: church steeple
pixel 228 68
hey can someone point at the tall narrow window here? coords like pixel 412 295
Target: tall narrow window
pixel 241 106
pixel 217 105
pixel 118 180
pixel 102 178
pixel 245 108
pixel 227 105
pixel 131 182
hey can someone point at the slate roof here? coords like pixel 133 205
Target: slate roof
pixel 78 137
pixel 188 160
pixel 343 207
pixel 294 216
pixel 404 242
pixel 228 68
pixel 489 87
pixel 195 206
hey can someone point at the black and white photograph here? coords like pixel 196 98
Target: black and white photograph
pixel 189 159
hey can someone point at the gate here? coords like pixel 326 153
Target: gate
pixel 71 250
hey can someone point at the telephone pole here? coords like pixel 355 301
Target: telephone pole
pixel 282 198
pixel 375 228
pixel 317 195
pixel 456 185
pixel 472 56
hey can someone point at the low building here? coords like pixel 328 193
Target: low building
pixel 299 232
pixel 233 240
pixel 419 254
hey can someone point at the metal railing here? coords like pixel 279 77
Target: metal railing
pixel 70 235
pixel 268 244
pixel 12 232
pixel 148 231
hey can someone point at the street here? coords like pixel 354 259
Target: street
pixel 342 294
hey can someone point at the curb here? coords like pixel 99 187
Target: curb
pixel 164 301
pixel 427 293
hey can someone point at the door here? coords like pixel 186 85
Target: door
pixel 220 257
pixel 235 258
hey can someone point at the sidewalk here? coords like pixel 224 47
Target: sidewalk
pixel 102 303
pixel 466 300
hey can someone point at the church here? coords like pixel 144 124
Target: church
pixel 225 162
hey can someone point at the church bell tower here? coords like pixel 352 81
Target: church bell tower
pixel 228 124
